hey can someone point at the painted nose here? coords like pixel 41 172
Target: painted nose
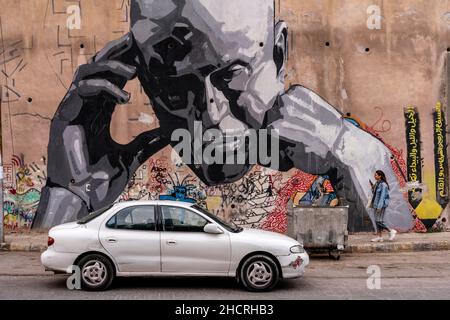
pixel 218 106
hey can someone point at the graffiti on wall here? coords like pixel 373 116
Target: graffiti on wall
pixel 196 62
pixel 440 154
pixel 413 155
pixel 428 189
pixel 8 176
pixel 22 192
pixel 222 65
pixel 245 202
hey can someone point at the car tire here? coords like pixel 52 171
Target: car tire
pixel 96 272
pixel 259 273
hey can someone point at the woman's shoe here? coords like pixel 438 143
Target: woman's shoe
pixel 377 239
pixel 392 234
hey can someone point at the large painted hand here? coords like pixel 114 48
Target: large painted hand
pixel 318 140
pixel 87 169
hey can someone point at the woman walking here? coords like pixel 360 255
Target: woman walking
pixel 380 201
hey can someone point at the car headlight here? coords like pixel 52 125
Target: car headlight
pixel 297 249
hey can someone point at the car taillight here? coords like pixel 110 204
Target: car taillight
pixel 50 241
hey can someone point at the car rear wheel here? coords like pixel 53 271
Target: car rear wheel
pixel 97 272
pixel 259 273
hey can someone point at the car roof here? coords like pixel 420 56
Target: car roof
pixel 180 203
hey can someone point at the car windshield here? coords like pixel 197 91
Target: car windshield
pixel 93 215
pixel 230 227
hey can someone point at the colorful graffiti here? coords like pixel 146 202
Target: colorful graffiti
pixel 440 154
pixel 320 193
pixel 248 202
pixel 22 192
pixel 413 158
pixel 22 196
pixel 19 208
pixel 427 189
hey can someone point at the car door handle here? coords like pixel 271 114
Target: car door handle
pixel 111 240
pixel 171 242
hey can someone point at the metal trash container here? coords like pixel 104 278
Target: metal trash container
pixel 319 229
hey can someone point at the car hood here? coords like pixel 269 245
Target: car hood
pixel 266 234
pixel 266 239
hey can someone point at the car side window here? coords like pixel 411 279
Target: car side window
pixel 181 219
pixel 134 218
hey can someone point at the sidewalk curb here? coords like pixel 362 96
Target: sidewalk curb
pixel 22 247
pixel 398 247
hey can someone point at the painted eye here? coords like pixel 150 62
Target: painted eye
pixel 237 67
pixel 233 71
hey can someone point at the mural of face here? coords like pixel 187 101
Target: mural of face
pixel 220 64
pixel 199 61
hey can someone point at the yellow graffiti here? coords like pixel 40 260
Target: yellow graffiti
pixel 413 154
pixel 214 202
pixel 439 131
pixel 429 208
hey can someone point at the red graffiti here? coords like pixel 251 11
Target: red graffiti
pixel 276 220
pixel 301 182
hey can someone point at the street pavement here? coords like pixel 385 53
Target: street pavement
pixel 404 275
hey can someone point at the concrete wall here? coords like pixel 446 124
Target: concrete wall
pixel 370 59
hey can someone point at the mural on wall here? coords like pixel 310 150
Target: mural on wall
pixel 197 63
pixel 319 193
pixel 23 193
pixel 204 65
pixel 246 202
pixel 440 154
pixel 413 156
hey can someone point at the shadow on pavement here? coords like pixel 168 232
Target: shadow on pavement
pixel 174 283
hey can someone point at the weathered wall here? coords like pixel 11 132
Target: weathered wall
pixel 371 75
pixel 375 74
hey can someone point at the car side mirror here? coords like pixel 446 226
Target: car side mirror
pixel 212 228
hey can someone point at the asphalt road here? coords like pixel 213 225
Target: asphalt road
pixel 414 275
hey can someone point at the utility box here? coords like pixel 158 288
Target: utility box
pixel 319 229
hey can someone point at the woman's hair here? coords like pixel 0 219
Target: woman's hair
pixel 383 176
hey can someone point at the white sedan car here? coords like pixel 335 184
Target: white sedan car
pixel 170 238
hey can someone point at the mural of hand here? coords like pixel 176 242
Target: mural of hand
pixel 316 139
pixel 87 169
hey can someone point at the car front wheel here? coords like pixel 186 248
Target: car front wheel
pixel 97 272
pixel 259 273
